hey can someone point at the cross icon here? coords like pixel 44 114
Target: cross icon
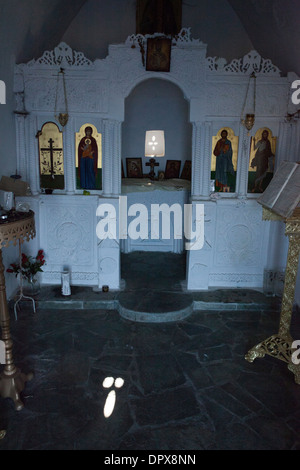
pixel 51 151
pixel 152 163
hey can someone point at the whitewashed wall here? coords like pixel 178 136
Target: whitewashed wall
pixel 236 239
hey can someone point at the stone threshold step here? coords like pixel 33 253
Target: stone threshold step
pixel 152 306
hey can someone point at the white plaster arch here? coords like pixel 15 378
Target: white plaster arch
pixel 165 107
pixel 161 76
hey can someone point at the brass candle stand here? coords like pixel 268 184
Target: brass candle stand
pixel 280 345
pixel 17 228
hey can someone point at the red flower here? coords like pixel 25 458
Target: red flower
pixel 29 265
pixel 40 256
pixel 24 258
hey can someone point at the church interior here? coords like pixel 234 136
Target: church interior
pixel 150 225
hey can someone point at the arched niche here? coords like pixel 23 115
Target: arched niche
pixel 157 104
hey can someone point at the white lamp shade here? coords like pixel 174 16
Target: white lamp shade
pixel 155 144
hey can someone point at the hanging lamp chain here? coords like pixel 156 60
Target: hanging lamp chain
pixel 248 120
pixel 62 117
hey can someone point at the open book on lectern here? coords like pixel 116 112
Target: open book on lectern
pixel 282 195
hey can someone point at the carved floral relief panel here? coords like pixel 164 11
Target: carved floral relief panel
pixel 69 235
pixel 238 237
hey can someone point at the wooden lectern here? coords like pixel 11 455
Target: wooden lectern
pixel 280 201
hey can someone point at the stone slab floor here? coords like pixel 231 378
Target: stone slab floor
pixel 186 384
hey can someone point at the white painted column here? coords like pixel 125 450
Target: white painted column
pixel 69 157
pixel 116 159
pixel 111 158
pixel 243 162
pixel 21 145
pixel 283 145
pixel 288 144
pixel 109 258
pixel 109 266
pixel 291 152
pixel 196 160
pixel 107 156
pixel 201 150
pixel 197 272
pixel 33 156
pixel 206 160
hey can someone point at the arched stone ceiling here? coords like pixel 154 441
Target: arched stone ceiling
pixel 274 29
pixel 270 26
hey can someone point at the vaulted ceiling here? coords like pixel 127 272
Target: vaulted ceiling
pixel 271 26
pixel 230 28
pixel 274 29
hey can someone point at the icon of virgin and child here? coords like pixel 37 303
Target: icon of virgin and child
pixel 88 160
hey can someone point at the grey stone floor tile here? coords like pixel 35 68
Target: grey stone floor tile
pixel 191 436
pixel 159 372
pixel 187 385
pixel 195 371
pixel 238 436
pixel 170 398
pixel 161 408
pixel 223 371
pixel 214 353
pixel 277 394
pixel 274 432
pixel 227 401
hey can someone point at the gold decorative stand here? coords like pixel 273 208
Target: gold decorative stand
pixel 280 345
pixel 17 227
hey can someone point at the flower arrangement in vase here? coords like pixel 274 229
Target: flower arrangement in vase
pixel 28 269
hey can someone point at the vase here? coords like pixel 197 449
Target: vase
pixel 65 283
pixel 31 286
